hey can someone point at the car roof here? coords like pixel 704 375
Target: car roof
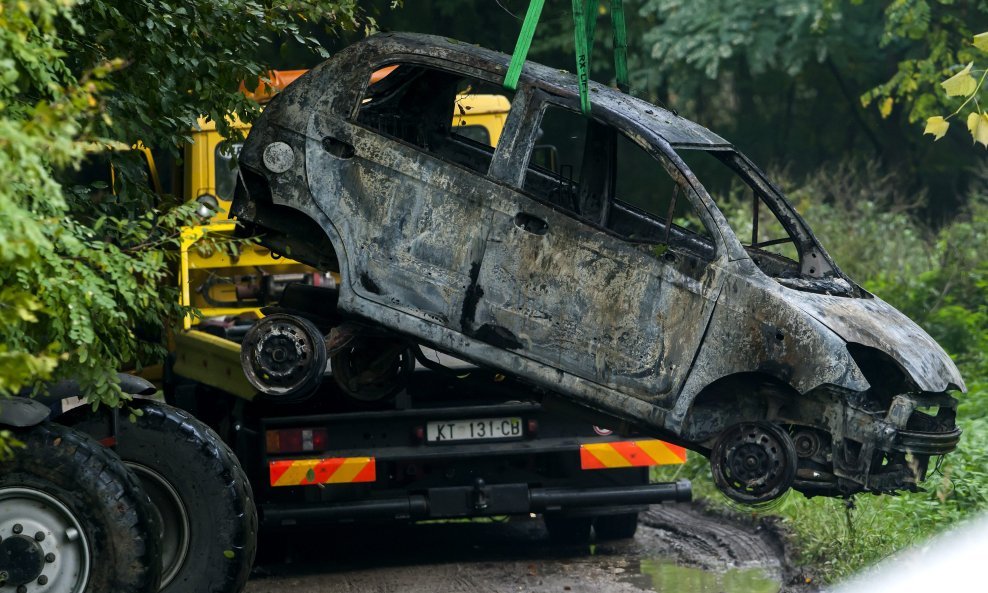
pixel 676 130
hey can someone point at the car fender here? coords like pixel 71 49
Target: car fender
pixel 755 330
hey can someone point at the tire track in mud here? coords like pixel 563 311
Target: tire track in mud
pixel 517 556
pixel 711 541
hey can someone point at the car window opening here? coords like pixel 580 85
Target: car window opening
pixel 768 241
pixel 455 117
pixel 598 174
pixel 226 168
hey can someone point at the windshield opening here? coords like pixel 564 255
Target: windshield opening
pixel 768 228
pixel 744 206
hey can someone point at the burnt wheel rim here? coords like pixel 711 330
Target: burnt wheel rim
pixel 753 462
pixel 283 356
pixel 43 545
pixel 176 528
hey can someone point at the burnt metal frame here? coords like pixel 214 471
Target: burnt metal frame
pixel 817 323
pixel 514 163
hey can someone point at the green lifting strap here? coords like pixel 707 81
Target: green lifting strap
pixel 591 16
pixel 580 29
pixel 523 44
pixel 620 45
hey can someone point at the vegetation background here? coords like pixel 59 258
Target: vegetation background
pixel 830 95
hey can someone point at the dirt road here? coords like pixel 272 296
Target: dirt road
pixel 677 549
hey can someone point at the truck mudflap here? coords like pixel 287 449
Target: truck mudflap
pixel 478 500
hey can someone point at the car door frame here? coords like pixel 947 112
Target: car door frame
pixel 348 128
pixel 511 166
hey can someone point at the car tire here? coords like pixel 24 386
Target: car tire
pixel 209 534
pixel 73 518
pixel 566 530
pixel 611 527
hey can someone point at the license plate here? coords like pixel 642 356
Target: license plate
pixel 471 430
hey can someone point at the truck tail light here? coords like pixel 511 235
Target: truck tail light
pixel 296 440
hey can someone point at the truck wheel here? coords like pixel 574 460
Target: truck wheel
pixel 209 523
pixel 568 530
pixel 73 519
pixel 609 527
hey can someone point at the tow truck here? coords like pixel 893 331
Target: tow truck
pixel 453 441
pixel 221 462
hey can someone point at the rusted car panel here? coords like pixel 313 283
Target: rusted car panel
pixel 747 352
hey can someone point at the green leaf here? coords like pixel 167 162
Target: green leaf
pixel 977 124
pixel 961 84
pixel 937 126
pixel 981 41
pixel 885 109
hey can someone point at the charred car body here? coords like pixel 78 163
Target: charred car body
pixel 591 256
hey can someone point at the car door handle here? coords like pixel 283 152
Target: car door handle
pixel 338 148
pixel 531 224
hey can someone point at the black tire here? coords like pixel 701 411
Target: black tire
pixel 566 530
pixel 64 483
pixel 209 537
pixel 611 527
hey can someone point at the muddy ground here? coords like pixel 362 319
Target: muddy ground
pixel 678 549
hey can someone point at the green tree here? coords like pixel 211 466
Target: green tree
pixel 804 82
pixel 82 269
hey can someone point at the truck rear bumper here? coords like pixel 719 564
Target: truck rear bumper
pixel 476 501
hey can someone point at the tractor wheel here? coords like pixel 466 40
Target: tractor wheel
pixel 209 522
pixel 73 519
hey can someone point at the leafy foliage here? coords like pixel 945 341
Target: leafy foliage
pixel 84 271
pixel 924 35
pixel 964 84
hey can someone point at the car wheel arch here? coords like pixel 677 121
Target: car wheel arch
pixel 734 398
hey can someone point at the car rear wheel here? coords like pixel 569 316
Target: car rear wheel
pixel 73 519
pixel 209 521
pixel 372 370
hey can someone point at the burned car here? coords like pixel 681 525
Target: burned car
pixel 589 255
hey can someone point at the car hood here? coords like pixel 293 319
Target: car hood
pixel 874 323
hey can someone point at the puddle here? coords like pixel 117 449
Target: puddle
pixel 665 575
